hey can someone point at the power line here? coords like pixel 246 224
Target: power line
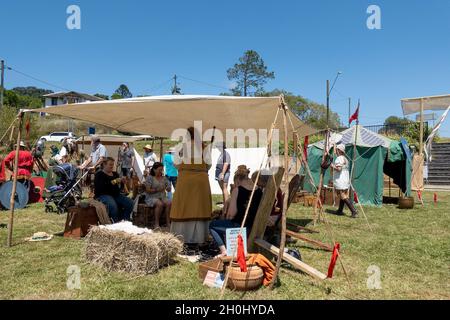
pixel 37 79
pixel 204 83
pixel 159 86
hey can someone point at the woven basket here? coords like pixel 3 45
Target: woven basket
pixel 406 203
pixel 244 281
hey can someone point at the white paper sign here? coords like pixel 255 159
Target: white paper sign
pixel 214 279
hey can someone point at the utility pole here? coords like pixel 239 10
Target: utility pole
pixel 2 87
pixel 175 89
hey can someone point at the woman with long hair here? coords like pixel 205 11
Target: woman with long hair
pixel 156 186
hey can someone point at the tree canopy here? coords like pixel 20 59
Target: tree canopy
pixel 122 92
pixel 102 96
pixel 310 112
pixel 249 73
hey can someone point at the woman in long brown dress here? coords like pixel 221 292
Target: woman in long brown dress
pixel 191 209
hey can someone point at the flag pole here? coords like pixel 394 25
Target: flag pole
pixel 354 154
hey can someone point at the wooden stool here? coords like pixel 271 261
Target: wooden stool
pixel 145 217
pixel 79 220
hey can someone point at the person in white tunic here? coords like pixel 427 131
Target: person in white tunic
pixel 341 181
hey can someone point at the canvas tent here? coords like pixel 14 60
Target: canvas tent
pixel 376 155
pixel 160 115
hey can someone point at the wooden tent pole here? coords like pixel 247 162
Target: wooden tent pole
pixel 11 126
pixel 11 135
pixel 322 174
pixel 161 149
pixel 14 187
pixel 353 162
pixel 295 138
pixel 421 128
pixel 285 200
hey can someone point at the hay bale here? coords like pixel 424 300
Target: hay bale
pixel 124 252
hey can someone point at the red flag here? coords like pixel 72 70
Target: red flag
pixel 241 254
pixel 435 197
pixel 355 197
pixel 419 195
pixel 354 116
pixel 305 147
pixel 334 257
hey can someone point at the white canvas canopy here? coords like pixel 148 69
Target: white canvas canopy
pixel 251 157
pixel 160 115
pixel 412 105
pixel 364 138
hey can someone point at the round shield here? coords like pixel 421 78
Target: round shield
pixel 21 196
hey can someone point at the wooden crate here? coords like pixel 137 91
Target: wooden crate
pixel 79 220
pixel 215 265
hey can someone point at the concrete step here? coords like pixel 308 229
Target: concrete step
pixel 439 182
pixel 444 144
pixel 439 171
pixel 440 161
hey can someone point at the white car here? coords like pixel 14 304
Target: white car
pixel 58 136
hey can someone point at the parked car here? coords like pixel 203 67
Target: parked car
pixel 58 136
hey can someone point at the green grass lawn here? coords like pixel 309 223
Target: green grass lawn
pixel 410 248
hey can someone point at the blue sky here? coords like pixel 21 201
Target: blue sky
pixel 143 43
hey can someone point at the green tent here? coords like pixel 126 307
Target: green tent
pixel 375 155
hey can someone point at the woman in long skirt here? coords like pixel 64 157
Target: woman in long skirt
pixel 191 209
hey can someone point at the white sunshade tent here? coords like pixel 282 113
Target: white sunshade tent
pixel 161 115
pixel 413 105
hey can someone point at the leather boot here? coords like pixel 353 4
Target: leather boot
pixel 340 211
pixel 351 207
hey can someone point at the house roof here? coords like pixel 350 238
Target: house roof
pixel 62 94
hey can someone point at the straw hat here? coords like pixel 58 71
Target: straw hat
pixel 148 147
pixel 21 144
pixel 341 147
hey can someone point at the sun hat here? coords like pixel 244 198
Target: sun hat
pixel 148 147
pixel 341 147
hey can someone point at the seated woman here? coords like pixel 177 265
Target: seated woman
pixel 156 186
pixel 107 191
pixel 240 197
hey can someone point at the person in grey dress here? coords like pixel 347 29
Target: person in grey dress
pixel 156 186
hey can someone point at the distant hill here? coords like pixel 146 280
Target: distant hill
pixel 31 91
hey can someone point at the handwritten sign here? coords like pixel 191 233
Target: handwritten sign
pixel 231 237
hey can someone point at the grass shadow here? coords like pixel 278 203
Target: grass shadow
pixel 300 222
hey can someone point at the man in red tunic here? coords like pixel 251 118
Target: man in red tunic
pixel 25 164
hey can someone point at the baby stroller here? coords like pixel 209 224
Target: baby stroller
pixel 62 188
